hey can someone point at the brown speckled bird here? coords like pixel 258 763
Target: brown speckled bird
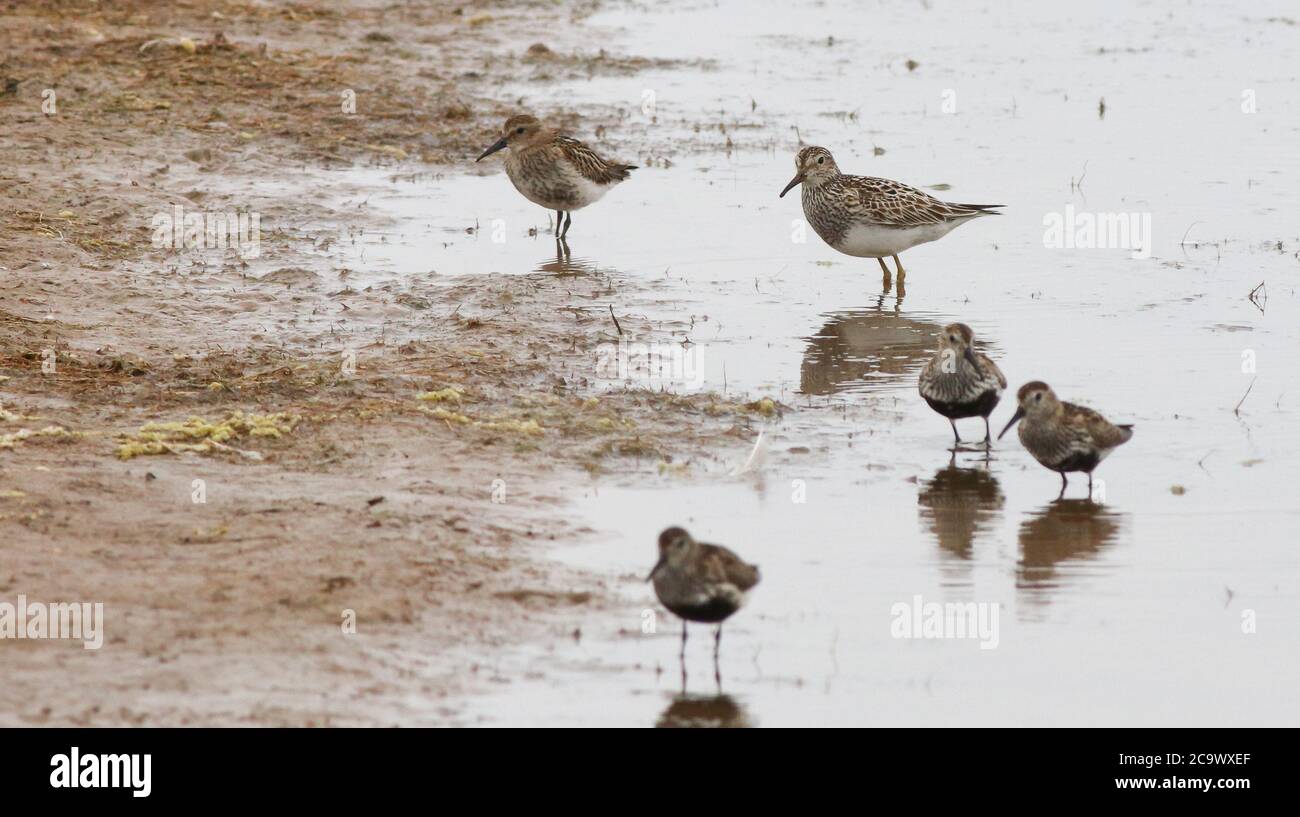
pixel 959 382
pixel 700 582
pixel 869 217
pixel 553 170
pixel 1062 436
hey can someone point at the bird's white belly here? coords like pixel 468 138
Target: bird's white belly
pixel 873 241
pixel 589 192
pixel 578 190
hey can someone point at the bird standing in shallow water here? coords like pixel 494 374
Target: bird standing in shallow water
pixel 959 382
pixel 553 170
pixel 869 217
pixel 700 582
pixel 1062 436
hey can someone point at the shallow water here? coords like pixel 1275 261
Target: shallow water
pixel 1126 611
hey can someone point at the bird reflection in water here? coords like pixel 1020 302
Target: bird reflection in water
pixel 565 263
pixel 1056 543
pixel 866 348
pixel 959 505
pixel 695 710
pixel 704 711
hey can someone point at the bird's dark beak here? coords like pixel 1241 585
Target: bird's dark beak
pixel 497 145
pixel 1015 418
pixel 970 357
pixel 658 564
pixel 795 182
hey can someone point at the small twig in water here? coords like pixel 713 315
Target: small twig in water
pixel 1078 185
pixel 1254 300
pixel 1201 462
pixel 1237 410
pixel 616 326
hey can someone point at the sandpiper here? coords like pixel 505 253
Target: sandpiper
pixel 959 382
pixel 869 217
pixel 700 582
pixel 553 170
pixel 1062 436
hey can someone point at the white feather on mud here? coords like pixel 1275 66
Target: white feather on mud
pixel 757 457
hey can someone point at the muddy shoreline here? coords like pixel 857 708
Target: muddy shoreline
pixel 386 450
pixel 400 406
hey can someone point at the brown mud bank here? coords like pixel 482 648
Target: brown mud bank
pixel 239 455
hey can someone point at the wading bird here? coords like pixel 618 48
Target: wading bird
pixel 700 582
pixel 959 382
pixel 553 170
pixel 1062 436
pixel 869 217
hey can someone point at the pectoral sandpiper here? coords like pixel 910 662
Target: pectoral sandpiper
pixel 869 217
pixel 959 382
pixel 553 170
pixel 700 582
pixel 1062 436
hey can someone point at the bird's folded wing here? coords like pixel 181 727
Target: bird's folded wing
pixel 989 366
pixel 1100 431
pixel 894 204
pixel 590 165
pixel 721 565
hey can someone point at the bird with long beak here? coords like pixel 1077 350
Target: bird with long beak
pixel 553 170
pixel 1062 436
pixel 959 382
pixel 700 582
pixel 868 217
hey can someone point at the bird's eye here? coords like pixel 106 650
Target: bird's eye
pixel 952 338
pixel 821 160
pixel 519 130
pixel 1038 398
